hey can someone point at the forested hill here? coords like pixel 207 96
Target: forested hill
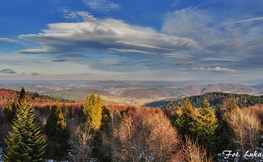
pixel 214 98
pixel 7 95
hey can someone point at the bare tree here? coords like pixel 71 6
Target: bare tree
pixel 245 126
pixel 146 136
pixel 81 140
pixel 194 152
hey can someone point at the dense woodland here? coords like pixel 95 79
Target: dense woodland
pixel 214 98
pixel 91 131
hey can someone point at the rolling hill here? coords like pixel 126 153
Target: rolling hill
pixel 214 98
pixel 7 95
pixel 145 93
pixel 75 94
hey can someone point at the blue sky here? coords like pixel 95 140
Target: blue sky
pixel 175 40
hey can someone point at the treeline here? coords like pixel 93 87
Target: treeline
pixel 7 96
pixel 215 98
pixel 95 132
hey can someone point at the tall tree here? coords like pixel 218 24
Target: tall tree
pixel 56 127
pixel 92 111
pixel 25 142
pixel 204 127
pixel 10 111
pixel 185 121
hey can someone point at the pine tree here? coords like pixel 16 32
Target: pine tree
pixel 56 127
pixel 65 112
pixel 225 131
pixel 10 111
pixel 92 111
pixel 185 121
pixel 204 127
pixel 231 106
pixel 218 112
pixel 25 142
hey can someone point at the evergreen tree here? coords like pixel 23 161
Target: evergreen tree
pixel 92 111
pixel 25 142
pixel 10 111
pixel 225 132
pixel 218 112
pixel 204 127
pixel 56 127
pixel 231 106
pixel 65 112
pixel 185 121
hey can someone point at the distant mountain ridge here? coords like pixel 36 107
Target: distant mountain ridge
pixel 221 87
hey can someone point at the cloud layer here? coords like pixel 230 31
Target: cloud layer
pixel 6 40
pixel 107 34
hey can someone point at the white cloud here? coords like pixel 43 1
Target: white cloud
pixel 247 20
pixel 101 5
pixel 190 23
pixel 79 16
pixel 208 65
pixel 182 56
pixel 229 58
pixel 216 69
pixel 7 40
pixel 106 34
pixel 130 51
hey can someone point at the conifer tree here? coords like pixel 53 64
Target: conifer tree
pixel 231 106
pixel 65 112
pixel 185 121
pixel 92 111
pixel 204 127
pixel 56 127
pixel 218 112
pixel 10 111
pixel 25 142
pixel 225 131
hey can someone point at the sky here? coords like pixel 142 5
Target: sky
pixel 173 40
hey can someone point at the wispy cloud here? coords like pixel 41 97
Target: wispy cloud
pixel 208 65
pixel 220 59
pixel 216 69
pixel 7 40
pixel 63 59
pixel 8 71
pixel 130 51
pixel 78 15
pixel 182 56
pixel 179 63
pixel 246 20
pixel 101 5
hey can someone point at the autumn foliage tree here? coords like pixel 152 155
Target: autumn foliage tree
pixel 144 136
pixel 92 111
pixel 245 127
